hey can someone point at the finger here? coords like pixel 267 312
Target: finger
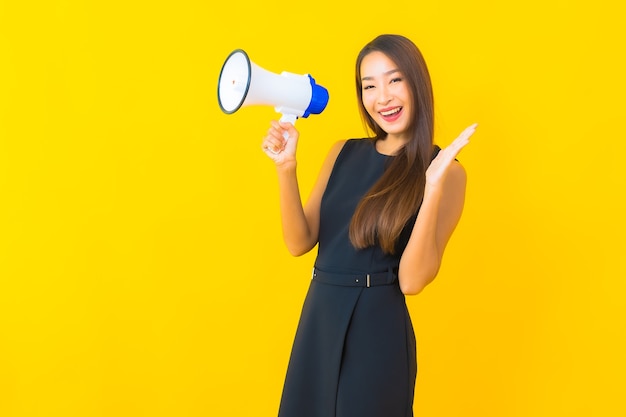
pixel 278 136
pixel 274 145
pixel 277 133
pixel 285 125
pixel 459 143
pixel 289 130
pixel 272 148
pixel 276 130
pixel 468 131
pixel 463 139
pixel 271 152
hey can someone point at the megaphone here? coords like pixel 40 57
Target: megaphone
pixel 243 83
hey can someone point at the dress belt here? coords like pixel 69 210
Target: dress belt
pixel 355 280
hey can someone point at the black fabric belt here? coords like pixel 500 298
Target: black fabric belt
pixel 355 280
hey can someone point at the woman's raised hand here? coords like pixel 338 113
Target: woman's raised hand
pixel 436 172
pixel 280 142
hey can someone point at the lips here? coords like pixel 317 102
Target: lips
pixel 391 114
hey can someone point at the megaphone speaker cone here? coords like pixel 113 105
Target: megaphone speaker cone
pixel 234 81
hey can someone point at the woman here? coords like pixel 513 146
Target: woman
pixel 381 212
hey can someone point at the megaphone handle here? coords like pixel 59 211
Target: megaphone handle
pixel 287 117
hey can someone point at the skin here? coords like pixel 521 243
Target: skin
pixel 384 93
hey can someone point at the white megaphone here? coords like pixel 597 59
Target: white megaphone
pixel 243 83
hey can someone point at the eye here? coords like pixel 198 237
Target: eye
pixel 395 80
pixel 367 87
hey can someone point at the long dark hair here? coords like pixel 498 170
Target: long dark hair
pixel 385 209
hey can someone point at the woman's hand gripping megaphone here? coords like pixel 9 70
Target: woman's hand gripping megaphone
pixel 281 142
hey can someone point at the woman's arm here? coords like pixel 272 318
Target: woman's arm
pixel 300 224
pixel 442 206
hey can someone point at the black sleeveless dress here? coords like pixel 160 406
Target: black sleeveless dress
pixel 354 353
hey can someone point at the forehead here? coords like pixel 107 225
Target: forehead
pixel 376 64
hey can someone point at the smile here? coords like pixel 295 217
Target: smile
pixel 391 115
pixel 390 112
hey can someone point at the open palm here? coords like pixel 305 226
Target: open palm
pixel 438 168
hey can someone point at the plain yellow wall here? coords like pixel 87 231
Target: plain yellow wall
pixel 142 271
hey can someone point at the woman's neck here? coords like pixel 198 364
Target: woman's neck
pixel 390 144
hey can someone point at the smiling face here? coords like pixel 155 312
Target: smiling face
pixel 386 95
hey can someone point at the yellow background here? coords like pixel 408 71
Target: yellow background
pixel 142 271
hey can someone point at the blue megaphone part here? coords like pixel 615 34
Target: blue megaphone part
pixel 319 99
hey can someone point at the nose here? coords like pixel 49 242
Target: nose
pixel 384 95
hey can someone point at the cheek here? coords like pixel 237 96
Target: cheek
pixel 368 103
pixel 371 111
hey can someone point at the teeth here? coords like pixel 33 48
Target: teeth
pixel 390 112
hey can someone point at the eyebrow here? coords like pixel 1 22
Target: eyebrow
pixel 369 78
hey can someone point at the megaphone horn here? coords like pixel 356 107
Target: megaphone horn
pixel 243 83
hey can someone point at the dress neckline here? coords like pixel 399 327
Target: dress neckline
pixel 373 142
